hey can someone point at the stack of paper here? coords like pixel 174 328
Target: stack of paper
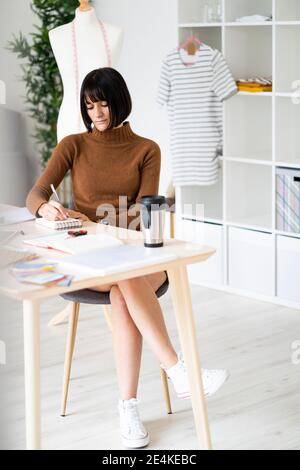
pixel 9 255
pixel 40 274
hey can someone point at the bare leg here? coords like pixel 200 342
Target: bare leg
pixel 143 305
pixel 127 344
pixel 136 313
pixel 144 308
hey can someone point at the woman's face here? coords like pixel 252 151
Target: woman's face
pixel 99 114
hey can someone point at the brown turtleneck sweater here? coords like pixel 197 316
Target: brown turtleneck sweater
pixel 104 165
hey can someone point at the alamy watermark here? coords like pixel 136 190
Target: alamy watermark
pixel 2 92
pixel 296 92
pixel 2 353
pixel 296 352
pixel 129 216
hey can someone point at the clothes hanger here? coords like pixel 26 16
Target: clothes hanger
pixel 84 5
pixel 191 44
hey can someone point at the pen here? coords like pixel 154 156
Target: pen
pixel 56 197
pixel 54 192
pixel 17 232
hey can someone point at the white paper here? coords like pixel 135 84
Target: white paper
pixel 15 216
pixel 74 245
pixel 117 259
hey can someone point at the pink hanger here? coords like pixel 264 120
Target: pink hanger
pixel 190 40
pixel 190 45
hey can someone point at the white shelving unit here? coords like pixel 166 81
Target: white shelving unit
pixel 261 133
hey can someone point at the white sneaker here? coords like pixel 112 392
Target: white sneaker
pixel 133 432
pixel 212 379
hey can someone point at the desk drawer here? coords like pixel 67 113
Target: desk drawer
pixel 288 268
pixel 211 270
pixel 251 260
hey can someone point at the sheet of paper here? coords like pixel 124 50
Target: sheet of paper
pixel 15 216
pixel 74 245
pixel 116 259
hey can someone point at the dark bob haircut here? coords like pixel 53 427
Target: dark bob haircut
pixel 106 84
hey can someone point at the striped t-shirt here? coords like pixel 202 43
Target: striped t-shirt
pixel 194 95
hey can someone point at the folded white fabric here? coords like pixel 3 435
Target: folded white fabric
pixel 253 19
pixel 259 80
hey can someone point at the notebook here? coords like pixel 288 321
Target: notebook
pixel 59 224
pixel 116 259
pixel 63 242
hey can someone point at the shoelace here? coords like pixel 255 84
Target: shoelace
pixel 181 361
pixel 133 419
pixel 205 372
pixel 182 366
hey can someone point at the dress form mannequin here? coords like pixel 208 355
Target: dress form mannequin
pixel 76 57
pixel 91 53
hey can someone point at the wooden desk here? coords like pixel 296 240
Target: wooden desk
pixel 30 295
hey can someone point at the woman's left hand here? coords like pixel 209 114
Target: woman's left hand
pixel 77 215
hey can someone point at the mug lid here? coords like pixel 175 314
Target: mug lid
pixel 155 199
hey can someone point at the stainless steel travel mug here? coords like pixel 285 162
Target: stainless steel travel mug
pixel 153 211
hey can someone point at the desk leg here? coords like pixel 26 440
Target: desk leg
pixel 31 321
pixel 181 297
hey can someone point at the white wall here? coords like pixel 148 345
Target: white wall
pixel 16 15
pixel 150 29
pixel 149 33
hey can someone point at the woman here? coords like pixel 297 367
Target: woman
pixel 107 161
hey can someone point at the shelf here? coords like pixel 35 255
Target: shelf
pixel 288 95
pixel 205 220
pixel 287 131
pixel 287 234
pixel 238 24
pixel 287 23
pixel 249 51
pixel 237 8
pixel 287 10
pixel 248 128
pixel 287 58
pixel 199 25
pixel 250 224
pixel 287 164
pixel 259 94
pixel 249 195
pixel 251 160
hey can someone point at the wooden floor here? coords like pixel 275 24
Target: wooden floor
pixel 258 408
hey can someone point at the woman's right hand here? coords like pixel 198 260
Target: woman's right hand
pixel 53 210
